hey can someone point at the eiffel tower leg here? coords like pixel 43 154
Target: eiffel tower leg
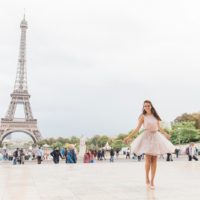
pixel 37 134
pixel 1 134
pixel 11 110
pixel 27 110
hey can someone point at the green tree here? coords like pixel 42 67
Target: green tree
pixel 102 141
pixel 42 142
pixel 194 117
pixel 51 140
pixel 94 140
pixel 184 132
pixel 61 140
pixel 57 144
pixel 121 136
pixel 74 140
pixel 118 144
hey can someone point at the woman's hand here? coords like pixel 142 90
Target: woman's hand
pixel 134 131
pixel 167 136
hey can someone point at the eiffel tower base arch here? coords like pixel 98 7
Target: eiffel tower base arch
pixel 29 128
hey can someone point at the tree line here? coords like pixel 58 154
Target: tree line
pixel 184 129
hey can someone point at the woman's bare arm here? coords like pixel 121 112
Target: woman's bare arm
pixel 162 131
pixel 140 122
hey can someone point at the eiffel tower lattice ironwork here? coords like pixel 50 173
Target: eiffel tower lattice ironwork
pixel 20 95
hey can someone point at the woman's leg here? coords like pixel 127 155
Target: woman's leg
pixel 153 168
pixel 147 167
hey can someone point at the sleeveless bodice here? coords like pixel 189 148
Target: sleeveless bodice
pixel 150 123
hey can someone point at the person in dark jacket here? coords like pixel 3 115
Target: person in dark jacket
pixel 112 153
pixel 177 152
pixel 103 154
pixel 99 155
pixel 56 155
pixel 15 156
pixel 169 157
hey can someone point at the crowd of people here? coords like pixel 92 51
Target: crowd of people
pixel 19 156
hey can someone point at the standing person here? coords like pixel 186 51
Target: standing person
pixel 103 154
pixel 15 156
pixel 112 154
pixel 21 156
pixel 39 155
pixel 117 153
pixel 169 157
pixel 74 157
pixel 91 156
pixel 99 155
pixel 139 158
pixel 56 155
pixel 177 152
pixel 151 142
pixel 187 151
pixel 193 152
pixel 95 153
pixel 5 154
pixel 128 153
pixel 86 158
pixel 1 156
pixel 71 155
pixel 65 155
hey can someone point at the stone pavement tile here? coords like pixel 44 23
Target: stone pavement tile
pixel 56 195
pixel 96 196
pixel 58 198
pixel 21 193
pixel 118 181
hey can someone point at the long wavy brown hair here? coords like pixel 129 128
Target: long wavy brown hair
pixel 153 110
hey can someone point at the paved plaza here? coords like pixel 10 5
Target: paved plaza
pixel 99 181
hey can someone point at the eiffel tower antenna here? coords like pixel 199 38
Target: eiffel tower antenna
pixel 21 77
pixel 20 95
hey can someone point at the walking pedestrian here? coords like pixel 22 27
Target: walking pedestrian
pixel 56 155
pixel 39 155
pixel 177 152
pixel 112 154
pixel 117 153
pixel 15 156
pixel 21 156
pixel 169 157
pixel 128 153
pixel 86 158
pixel 193 152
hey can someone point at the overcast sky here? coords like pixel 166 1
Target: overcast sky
pixel 91 64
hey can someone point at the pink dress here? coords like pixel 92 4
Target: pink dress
pixel 151 142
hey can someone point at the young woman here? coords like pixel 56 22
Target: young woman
pixel 151 142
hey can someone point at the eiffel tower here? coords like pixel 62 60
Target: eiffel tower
pixel 20 96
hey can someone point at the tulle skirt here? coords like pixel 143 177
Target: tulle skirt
pixel 152 143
